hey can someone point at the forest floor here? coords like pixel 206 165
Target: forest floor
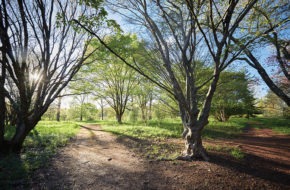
pixel 99 160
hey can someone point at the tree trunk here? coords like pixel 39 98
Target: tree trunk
pixel 102 112
pixel 150 108
pixel 266 78
pixel 16 143
pixel 81 113
pixel 193 145
pixel 143 113
pixel 2 106
pixel 58 109
pixel 119 118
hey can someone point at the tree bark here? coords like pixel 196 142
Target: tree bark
pixel 58 109
pixel 2 105
pixel 102 109
pixel 193 145
pixel 16 143
pixel 119 118
pixel 102 113
pixel 143 113
pixel 150 108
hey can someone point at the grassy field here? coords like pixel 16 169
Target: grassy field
pixel 279 125
pixel 39 146
pixel 42 143
pixel 155 131
pixel 172 128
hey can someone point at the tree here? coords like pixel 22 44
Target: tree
pixel 269 28
pixel 58 108
pixel 178 31
pixel 272 105
pixel 2 102
pixel 41 49
pixel 114 81
pixel 233 96
pixel 101 103
pixel 143 94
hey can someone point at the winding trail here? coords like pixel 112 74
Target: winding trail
pixel 94 161
pixel 99 160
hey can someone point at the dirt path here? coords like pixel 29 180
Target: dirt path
pixel 93 161
pixel 268 145
pixel 100 160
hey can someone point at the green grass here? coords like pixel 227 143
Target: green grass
pixel 152 134
pixel 172 128
pixel 279 125
pixel 142 131
pixel 229 129
pixel 39 146
pixel 153 131
pixel 233 151
pixel 237 153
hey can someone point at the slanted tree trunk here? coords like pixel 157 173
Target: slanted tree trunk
pixel 19 137
pixel 23 128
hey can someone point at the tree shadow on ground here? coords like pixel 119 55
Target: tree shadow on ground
pixel 254 166
pixel 70 172
pixel 12 171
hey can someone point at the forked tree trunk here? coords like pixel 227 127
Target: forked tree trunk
pixel 193 145
pixel 16 143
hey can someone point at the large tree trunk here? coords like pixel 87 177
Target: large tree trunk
pixel 16 143
pixel 2 106
pixel 193 144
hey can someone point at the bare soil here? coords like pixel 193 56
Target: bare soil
pixel 99 160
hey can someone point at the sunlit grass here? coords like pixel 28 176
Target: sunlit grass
pixel 172 128
pixel 151 130
pixel 233 151
pixel 280 125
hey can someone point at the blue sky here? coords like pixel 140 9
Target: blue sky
pixel 259 89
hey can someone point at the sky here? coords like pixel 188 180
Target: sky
pixel 260 89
